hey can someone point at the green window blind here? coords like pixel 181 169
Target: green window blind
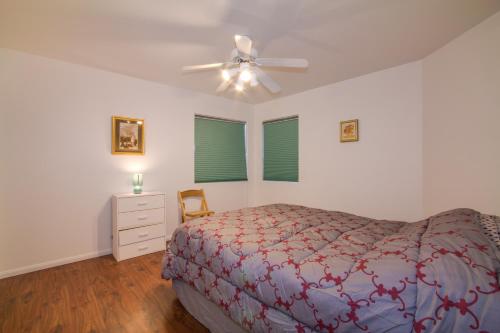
pixel 281 150
pixel 220 154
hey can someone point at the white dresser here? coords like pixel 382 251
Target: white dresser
pixel 138 224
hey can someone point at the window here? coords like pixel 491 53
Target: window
pixel 220 153
pixel 281 149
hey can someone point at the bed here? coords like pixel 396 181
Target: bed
pixel 287 268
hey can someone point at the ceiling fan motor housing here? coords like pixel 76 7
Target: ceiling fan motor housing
pixel 239 57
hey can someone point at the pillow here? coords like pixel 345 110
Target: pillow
pixel 491 227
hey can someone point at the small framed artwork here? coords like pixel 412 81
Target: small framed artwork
pixel 349 130
pixel 127 137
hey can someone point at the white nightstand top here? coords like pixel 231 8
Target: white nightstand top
pixel 130 195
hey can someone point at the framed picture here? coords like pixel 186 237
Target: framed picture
pixel 349 130
pixel 127 137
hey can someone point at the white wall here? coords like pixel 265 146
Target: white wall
pixel 59 172
pixel 461 152
pixel 381 175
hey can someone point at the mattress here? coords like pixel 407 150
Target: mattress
pixel 286 268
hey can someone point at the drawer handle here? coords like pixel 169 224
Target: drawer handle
pixel 142 203
pixel 142 218
pixel 144 234
pixel 142 248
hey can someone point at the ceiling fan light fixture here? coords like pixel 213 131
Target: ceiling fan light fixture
pixel 238 87
pixel 245 75
pixel 253 80
pixel 225 75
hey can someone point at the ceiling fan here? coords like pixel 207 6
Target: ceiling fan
pixel 244 67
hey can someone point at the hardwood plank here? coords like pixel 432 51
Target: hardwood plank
pixel 95 295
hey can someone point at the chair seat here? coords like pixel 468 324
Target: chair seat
pixel 198 213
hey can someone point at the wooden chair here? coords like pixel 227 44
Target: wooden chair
pixel 204 211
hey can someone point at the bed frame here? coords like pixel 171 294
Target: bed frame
pixel 206 312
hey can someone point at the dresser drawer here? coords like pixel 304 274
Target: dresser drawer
pixel 140 218
pixel 141 234
pixel 140 203
pixel 138 249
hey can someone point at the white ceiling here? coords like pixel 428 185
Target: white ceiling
pixel 152 39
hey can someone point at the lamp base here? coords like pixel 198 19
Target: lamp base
pixel 137 190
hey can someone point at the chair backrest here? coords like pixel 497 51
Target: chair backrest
pixel 191 194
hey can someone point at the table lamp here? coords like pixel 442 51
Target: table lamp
pixel 137 180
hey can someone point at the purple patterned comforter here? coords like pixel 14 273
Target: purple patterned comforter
pixel 286 268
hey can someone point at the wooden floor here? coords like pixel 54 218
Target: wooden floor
pixel 96 295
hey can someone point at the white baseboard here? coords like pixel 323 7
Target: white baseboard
pixel 53 263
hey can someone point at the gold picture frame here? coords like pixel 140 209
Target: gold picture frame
pixel 349 130
pixel 127 136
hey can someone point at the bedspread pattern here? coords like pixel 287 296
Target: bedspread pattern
pixel 337 272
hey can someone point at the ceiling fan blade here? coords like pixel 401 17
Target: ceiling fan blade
pixel 266 80
pixel 282 62
pixel 243 44
pixel 203 67
pixel 223 86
